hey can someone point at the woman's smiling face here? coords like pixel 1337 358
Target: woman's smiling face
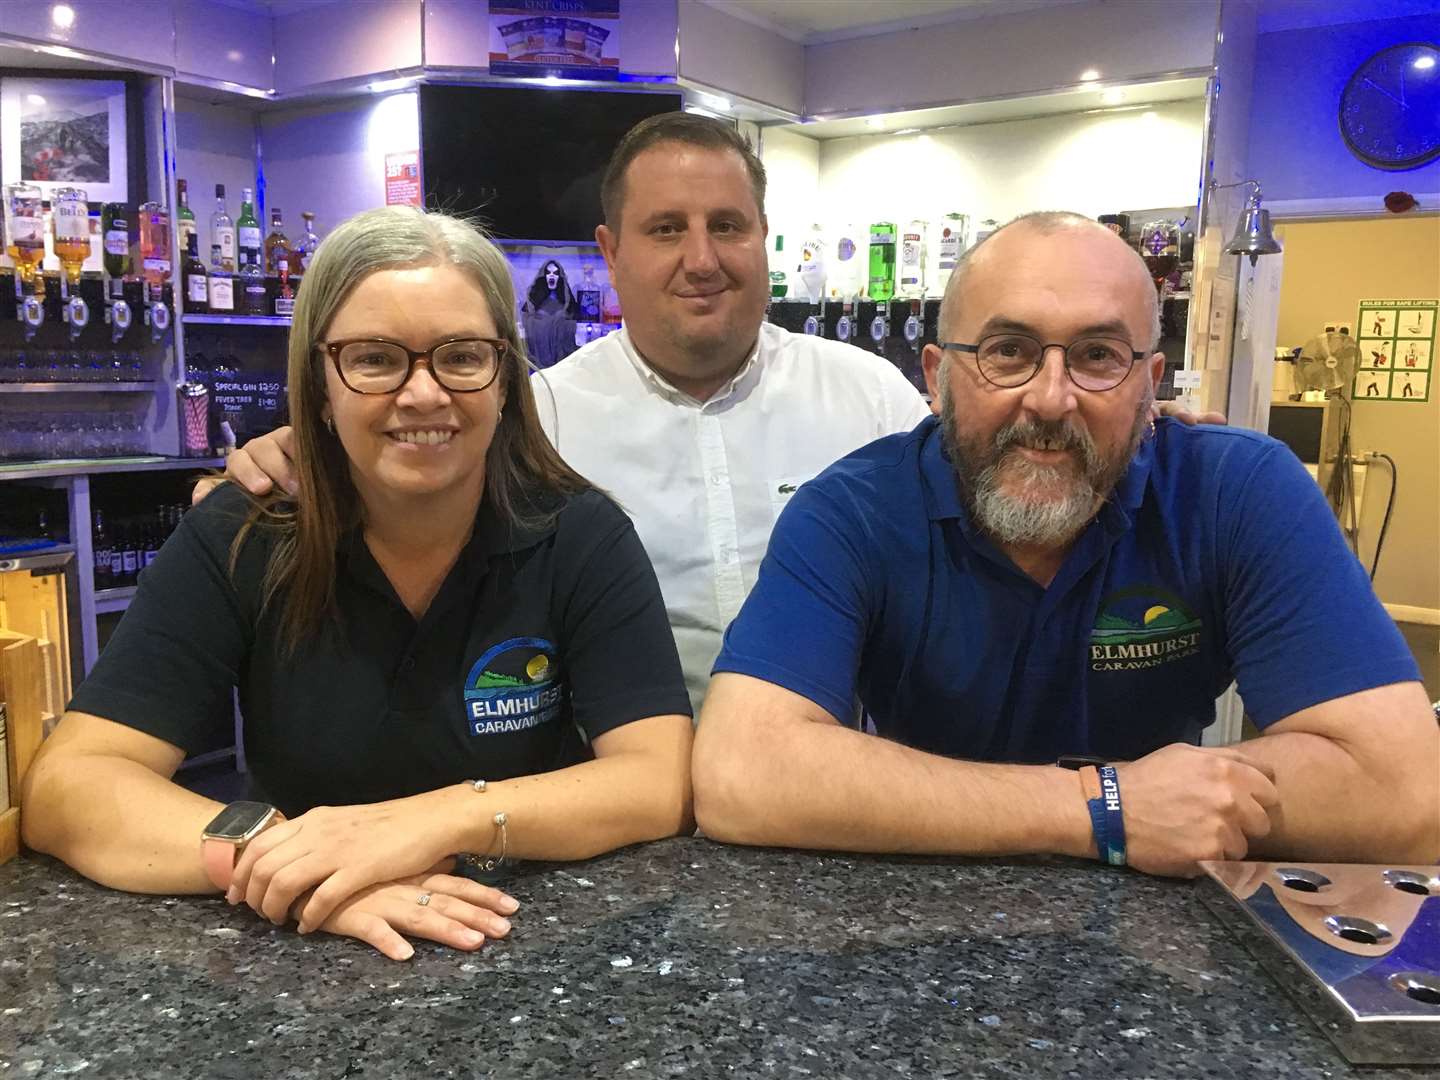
pixel 420 439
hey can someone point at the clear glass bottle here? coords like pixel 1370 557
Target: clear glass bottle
pixel 308 243
pixel 912 259
pixel 222 235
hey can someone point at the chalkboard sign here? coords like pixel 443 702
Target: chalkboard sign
pixel 252 402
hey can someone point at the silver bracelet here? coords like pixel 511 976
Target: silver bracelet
pixel 486 864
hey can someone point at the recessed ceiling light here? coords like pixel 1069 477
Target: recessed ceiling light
pixel 1424 63
pixel 1089 75
pixel 874 121
pixel 63 16
pixel 1112 97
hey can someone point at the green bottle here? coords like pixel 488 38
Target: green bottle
pixel 779 279
pixel 247 231
pixel 882 261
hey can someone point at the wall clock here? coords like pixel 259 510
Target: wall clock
pixel 1390 108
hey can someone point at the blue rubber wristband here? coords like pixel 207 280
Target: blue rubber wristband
pixel 1114 819
pixel 1097 826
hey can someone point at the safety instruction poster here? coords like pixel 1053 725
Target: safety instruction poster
pixel 1397 349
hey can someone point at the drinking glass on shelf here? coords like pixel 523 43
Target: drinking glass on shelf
pixel 1160 248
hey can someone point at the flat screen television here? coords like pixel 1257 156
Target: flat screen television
pixel 528 161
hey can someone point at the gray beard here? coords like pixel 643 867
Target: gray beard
pixel 1037 514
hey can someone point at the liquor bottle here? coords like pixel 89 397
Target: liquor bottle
pixel 881 285
pixel 588 295
pixel 845 273
pixel 610 305
pixel 184 216
pixel 154 537
pixel 25 235
pixel 70 222
pixel 100 545
pixel 251 281
pixel 912 259
pixel 115 224
pixel 196 281
pixel 222 235
pixel 308 243
pixel 247 230
pixel 810 271
pixel 954 230
pixel 277 245
pixel 129 556
pixel 779 279
pixel 222 292
pixel 154 248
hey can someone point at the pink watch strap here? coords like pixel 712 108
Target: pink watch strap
pixel 219 858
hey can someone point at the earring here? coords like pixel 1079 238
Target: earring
pixel 330 423
pixel 1150 434
pixel 499 415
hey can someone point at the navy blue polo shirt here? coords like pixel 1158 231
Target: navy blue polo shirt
pixel 540 639
pixel 1215 558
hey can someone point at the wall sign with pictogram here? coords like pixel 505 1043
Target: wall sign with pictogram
pixel 1397 349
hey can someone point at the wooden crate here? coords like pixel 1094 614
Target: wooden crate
pixel 23 690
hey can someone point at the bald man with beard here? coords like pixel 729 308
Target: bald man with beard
pixel 1043 576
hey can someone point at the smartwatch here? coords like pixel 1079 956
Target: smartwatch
pixel 226 836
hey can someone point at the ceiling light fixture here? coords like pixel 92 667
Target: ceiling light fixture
pixel 1424 63
pixel 1089 75
pixel 62 16
pixel 874 121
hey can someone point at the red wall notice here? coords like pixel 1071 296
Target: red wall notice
pixel 402 179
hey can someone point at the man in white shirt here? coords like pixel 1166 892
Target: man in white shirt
pixel 698 417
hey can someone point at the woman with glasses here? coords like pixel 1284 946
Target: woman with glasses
pixel 448 647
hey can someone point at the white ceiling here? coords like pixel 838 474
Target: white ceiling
pixel 1086 99
pixel 812 22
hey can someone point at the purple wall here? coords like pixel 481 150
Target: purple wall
pixel 1296 151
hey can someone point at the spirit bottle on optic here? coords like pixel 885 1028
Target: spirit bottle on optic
pixel 25 236
pixel 154 249
pixel 881 285
pixel 70 220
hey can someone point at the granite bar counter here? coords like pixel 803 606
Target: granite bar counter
pixel 682 958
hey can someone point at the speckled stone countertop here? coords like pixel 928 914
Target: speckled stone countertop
pixel 679 958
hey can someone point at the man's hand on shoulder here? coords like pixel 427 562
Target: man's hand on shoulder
pixel 263 463
pixel 1175 411
pixel 1183 804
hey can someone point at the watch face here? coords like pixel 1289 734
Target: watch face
pixel 1390 108
pixel 237 819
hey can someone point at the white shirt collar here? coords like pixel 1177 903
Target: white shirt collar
pixel 661 385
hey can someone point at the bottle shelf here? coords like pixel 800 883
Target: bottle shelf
pixel 33 470
pixel 143 387
pixel 108 601
pixel 235 320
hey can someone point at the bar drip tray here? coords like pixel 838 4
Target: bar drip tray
pixel 1358 946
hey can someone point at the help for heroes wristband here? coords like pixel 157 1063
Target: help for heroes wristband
pixel 1113 849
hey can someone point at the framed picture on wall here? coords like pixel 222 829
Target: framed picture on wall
pixel 65 133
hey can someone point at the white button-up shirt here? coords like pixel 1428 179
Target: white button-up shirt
pixel 704 481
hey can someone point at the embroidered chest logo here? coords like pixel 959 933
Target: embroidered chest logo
pixel 513 687
pixel 1142 627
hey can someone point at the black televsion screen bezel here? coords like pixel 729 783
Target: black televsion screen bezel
pixel 526 161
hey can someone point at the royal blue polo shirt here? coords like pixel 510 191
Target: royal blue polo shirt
pixel 1215 559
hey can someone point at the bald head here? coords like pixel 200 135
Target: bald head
pixel 1025 242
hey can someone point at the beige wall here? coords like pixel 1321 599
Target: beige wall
pixel 1329 267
